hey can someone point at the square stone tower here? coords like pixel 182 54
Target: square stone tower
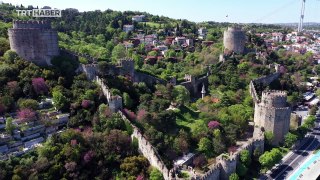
pixel 273 114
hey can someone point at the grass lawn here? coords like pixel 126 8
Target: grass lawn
pixel 153 24
pixel 186 117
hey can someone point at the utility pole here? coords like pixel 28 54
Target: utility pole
pixel 300 26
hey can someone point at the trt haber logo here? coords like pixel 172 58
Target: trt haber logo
pixel 40 12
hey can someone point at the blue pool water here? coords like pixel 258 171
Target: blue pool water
pixel 305 165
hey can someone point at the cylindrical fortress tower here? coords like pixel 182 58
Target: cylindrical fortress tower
pixel 34 41
pixel 273 114
pixel 234 39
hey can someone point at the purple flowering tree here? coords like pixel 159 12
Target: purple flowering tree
pixel 141 114
pixel 88 156
pixel 26 114
pixel 131 115
pixel 213 124
pixel 86 103
pixel 39 85
pixel 140 177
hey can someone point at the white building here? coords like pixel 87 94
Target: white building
pixel 127 28
pixel 202 33
pixel 277 37
pixel 138 18
pixel 163 49
pixel 179 41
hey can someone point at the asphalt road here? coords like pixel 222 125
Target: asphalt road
pixel 297 157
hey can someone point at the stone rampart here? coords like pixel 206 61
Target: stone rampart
pixel 115 102
pixel 193 84
pixel 148 150
pixel 265 80
pixel 226 163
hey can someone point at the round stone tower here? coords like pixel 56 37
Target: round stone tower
pixel 234 39
pixel 34 41
pixel 273 114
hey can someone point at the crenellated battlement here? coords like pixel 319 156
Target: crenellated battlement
pixel 273 108
pixel 274 93
pixel 126 62
pixel 235 28
pixel 189 78
pixel 274 99
pixel 31 24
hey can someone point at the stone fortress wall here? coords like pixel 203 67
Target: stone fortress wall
pixel 271 111
pixel 115 105
pixel 148 150
pixel 234 39
pixel 37 42
pixel 194 84
pixel 34 41
pixel 221 170
pixel 115 102
pixel 265 80
pixel 227 164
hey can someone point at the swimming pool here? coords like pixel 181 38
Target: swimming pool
pixel 305 165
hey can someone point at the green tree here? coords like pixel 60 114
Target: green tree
pixel 205 146
pixel 199 129
pixel 152 53
pixel 133 166
pixel 290 139
pixel 241 169
pixel 59 99
pixel 181 95
pixel 234 176
pixel 28 103
pixel 127 101
pixel 118 52
pixel 269 137
pixel 309 122
pixel 245 157
pixel 10 56
pixel 155 174
pixel 4 45
pixel 270 158
pixel 9 126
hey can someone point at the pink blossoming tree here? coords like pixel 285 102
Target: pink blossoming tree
pixel 39 85
pixel 213 124
pixel 26 114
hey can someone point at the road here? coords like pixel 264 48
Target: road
pixel 297 156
